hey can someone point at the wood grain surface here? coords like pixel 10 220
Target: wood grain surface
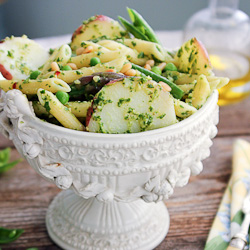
pixel 25 196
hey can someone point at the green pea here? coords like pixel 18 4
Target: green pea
pixel 63 97
pixel 171 67
pixel 156 70
pixel 94 61
pixel 35 74
pixel 66 67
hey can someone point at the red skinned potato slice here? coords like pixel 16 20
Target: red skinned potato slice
pixel 95 27
pixel 130 105
pixel 193 58
pixel 19 56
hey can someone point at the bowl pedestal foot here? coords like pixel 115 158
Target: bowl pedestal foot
pixel 77 223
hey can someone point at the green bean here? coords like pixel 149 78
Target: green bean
pixel 175 90
pixel 139 21
pixel 9 235
pixel 132 29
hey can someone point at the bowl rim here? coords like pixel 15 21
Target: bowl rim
pixel 38 123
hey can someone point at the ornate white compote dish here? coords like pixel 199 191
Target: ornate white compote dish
pixel 115 184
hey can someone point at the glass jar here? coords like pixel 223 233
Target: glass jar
pixel 225 32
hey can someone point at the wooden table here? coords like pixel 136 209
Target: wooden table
pixel 25 196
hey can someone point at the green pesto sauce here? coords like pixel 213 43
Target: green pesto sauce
pixel 122 101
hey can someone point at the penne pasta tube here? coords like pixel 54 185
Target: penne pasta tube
pixel 182 78
pixel 201 92
pixel 72 75
pixel 79 109
pixel 60 56
pixel 132 54
pixel 84 59
pixel 186 88
pixel 182 109
pixel 31 86
pixel 58 110
pixel 148 48
pixel 112 45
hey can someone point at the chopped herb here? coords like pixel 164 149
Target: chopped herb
pixel 161 116
pixel 158 48
pixel 51 51
pixel 133 43
pixel 83 44
pixel 141 55
pixel 10 54
pixel 191 57
pixel 89 20
pixel 180 52
pixel 122 100
pixel 145 120
pixel 150 85
pixel 186 48
pixel 96 118
pixel 99 39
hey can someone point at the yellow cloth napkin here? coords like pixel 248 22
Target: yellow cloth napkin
pixel 229 216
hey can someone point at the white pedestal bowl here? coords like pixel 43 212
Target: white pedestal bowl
pixel 114 184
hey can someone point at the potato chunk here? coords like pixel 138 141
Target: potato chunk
pixel 131 105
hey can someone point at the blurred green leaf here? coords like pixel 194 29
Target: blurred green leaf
pixel 4 160
pixel 9 235
pixel 4 156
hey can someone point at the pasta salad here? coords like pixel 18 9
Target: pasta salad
pixel 110 78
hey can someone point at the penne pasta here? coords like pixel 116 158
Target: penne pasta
pixel 201 92
pixel 72 75
pixel 31 86
pixel 79 109
pixel 150 49
pixel 58 110
pixel 84 59
pixel 187 87
pixel 112 45
pixel 61 56
pixel 132 54
pixel 182 109
pixel 182 78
